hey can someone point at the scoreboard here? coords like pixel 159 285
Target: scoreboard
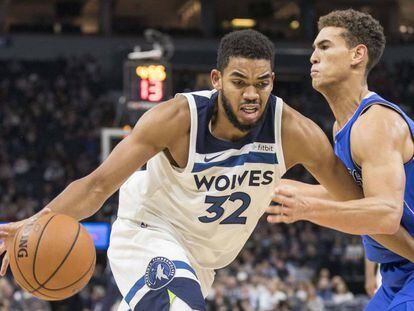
pixel 146 83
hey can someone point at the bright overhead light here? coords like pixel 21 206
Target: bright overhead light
pixel 403 29
pixel 294 24
pixel 243 22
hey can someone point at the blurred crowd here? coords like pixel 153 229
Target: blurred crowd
pixel 299 267
pixel 51 114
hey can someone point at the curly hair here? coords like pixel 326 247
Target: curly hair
pixel 360 28
pixel 245 43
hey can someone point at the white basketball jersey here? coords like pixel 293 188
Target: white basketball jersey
pixel 212 205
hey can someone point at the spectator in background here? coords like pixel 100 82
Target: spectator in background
pixel 313 302
pixel 341 293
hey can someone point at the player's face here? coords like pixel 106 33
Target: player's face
pixel 245 86
pixel 331 59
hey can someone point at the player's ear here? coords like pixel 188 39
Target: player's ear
pixel 216 79
pixel 359 54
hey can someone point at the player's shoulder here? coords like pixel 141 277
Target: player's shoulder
pixel 296 124
pixel 379 126
pixel 289 114
pixel 175 109
pixel 168 119
pixel 378 113
pixel 379 119
pixel 302 139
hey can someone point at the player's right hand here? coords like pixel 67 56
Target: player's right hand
pixel 7 233
pixel 290 205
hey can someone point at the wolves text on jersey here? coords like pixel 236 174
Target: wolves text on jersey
pixel 253 178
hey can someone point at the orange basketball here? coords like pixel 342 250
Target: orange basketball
pixel 52 258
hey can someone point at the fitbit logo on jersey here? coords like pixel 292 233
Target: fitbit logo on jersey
pixel 262 147
pixel 253 178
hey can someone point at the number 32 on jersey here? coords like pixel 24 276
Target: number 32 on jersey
pixel 216 210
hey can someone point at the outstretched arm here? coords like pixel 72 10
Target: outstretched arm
pixel 308 190
pixel 383 180
pixel 378 215
pixel 85 196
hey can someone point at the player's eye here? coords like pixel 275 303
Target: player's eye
pixel 238 83
pixel 262 85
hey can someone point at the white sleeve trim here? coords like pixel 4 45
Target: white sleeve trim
pixel 278 136
pixel 193 131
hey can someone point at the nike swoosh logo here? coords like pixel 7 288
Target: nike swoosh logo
pixel 212 158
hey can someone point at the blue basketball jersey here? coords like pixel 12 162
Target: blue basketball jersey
pixel 374 251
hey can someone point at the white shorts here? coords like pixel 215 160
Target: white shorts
pixel 151 268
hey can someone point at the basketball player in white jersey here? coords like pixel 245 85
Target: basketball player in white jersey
pixel 213 160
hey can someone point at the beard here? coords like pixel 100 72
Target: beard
pixel 231 116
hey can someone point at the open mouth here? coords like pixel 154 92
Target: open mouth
pixel 249 112
pixel 249 109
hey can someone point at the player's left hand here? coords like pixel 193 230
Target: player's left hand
pixel 7 233
pixel 291 205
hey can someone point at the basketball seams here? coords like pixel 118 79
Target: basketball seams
pixel 36 249
pixel 58 289
pixel 21 273
pixel 41 285
pixel 35 270
pixel 83 275
pixel 39 290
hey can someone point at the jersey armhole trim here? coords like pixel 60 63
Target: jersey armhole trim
pixel 193 132
pixel 278 136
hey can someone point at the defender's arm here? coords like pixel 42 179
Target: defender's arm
pixel 358 216
pixel 383 174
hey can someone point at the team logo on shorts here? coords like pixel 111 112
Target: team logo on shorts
pixel 160 272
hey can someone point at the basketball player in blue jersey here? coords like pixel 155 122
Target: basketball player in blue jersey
pixel 213 161
pixel 374 139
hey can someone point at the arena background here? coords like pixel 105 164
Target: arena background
pixel 68 88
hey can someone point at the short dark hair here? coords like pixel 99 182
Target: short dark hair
pixel 245 43
pixel 361 28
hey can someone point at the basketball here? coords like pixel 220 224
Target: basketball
pixel 53 257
